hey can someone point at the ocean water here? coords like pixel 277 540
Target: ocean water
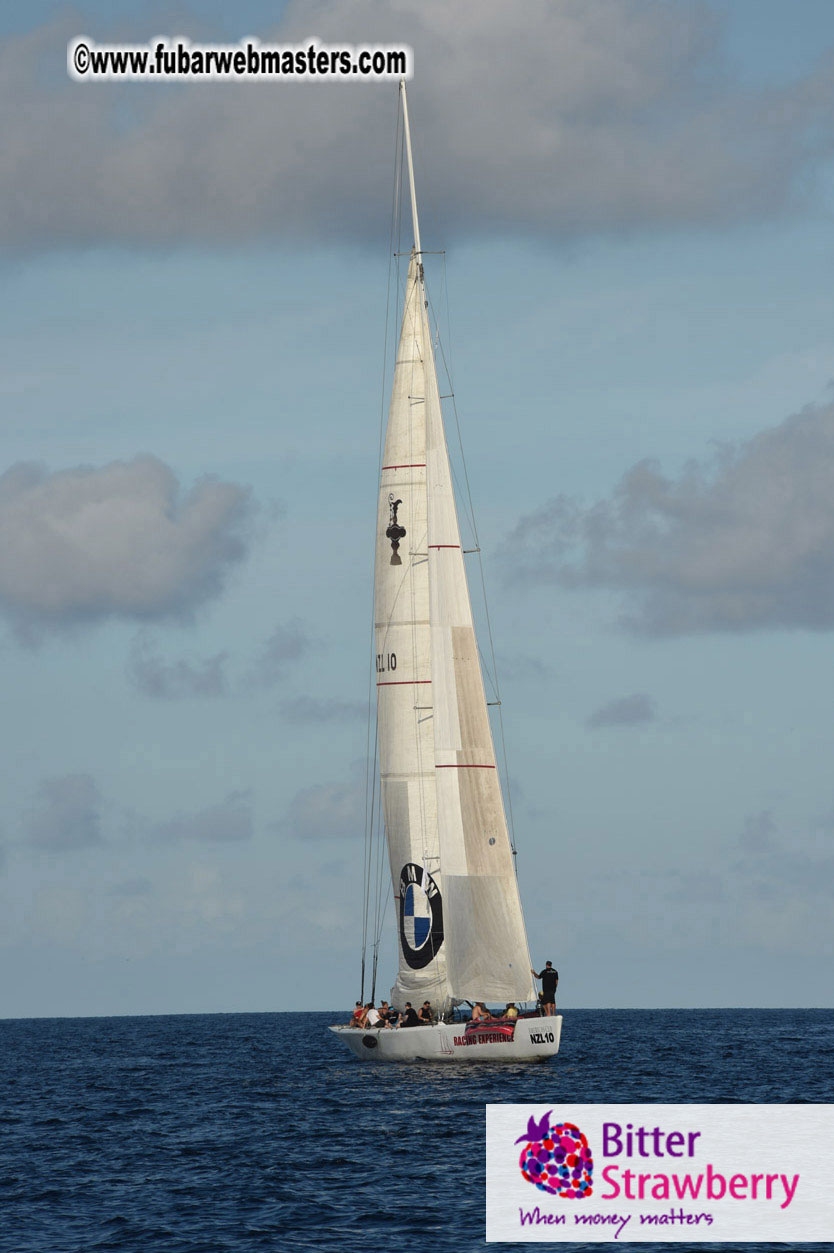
pixel 200 1134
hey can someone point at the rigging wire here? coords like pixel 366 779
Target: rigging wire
pixel 371 768
pixel 378 852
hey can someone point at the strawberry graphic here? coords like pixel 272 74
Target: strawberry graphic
pixel 536 1130
pixel 557 1159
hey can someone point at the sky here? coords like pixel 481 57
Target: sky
pixel 635 203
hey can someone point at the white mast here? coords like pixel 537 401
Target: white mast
pixel 461 930
pixel 414 220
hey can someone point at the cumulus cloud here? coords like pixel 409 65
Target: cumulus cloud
pixel 175 680
pixel 633 123
pixel 227 822
pixel 625 711
pixel 308 709
pixel 67 815
pixel 743 542
pixel 81 545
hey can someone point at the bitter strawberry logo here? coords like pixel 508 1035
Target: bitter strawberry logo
pixel 556 1158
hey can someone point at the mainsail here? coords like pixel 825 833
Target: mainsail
pixel 460 925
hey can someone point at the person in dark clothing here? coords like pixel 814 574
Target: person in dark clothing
pixel 550 981
pixel 426 1013
pixel 388 1015
pixel 408 1018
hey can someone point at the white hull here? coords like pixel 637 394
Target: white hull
pixel 534 1040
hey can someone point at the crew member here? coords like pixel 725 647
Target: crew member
pixel 550 981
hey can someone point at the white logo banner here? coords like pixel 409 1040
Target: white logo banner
pixel 677 1173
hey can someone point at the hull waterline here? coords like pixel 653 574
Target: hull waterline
pixel 534 1040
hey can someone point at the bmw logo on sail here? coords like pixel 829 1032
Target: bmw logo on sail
pixel 421 916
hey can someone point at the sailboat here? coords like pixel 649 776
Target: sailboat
pixel 461 931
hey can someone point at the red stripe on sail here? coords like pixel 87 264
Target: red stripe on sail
pixel 401 682
pixel 444 545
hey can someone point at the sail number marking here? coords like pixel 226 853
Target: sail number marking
pixel 386 662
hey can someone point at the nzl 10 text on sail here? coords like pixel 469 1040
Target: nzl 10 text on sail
pixel 707 1185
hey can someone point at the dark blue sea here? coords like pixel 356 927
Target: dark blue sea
pixel 238 1132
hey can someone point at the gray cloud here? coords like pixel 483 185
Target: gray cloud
pixel 307 709
pixel 67 815
pixel 175 680
pixel 757 834
pixel 788 871
pixel 82 545
pixel 779 868
pixel 741 543
pixel 697 887
pixel 625 711
pixel 132 887
pixel 327 811
pixel 288 643
pixel 194 678
pixel 633 123
pixel 227 822
pixel 518 666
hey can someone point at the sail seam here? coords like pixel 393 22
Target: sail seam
pixel 406 774
pixel 398 622
pixel 462 766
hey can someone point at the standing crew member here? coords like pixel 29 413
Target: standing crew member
pixel 550 980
